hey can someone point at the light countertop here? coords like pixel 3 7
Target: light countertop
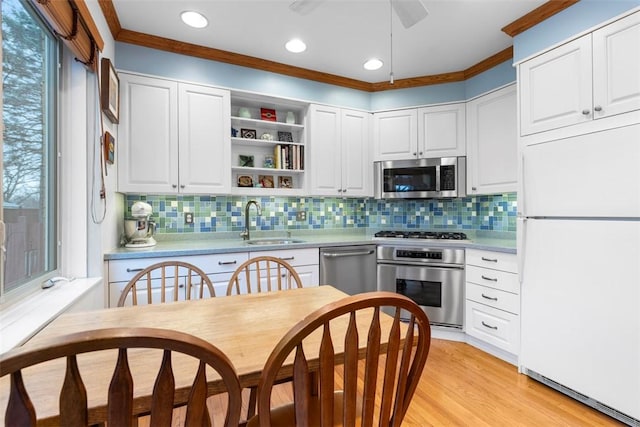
pixel 216 243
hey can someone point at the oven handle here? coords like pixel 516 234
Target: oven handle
pixel 418 264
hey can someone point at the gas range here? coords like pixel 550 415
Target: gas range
pixel 397 235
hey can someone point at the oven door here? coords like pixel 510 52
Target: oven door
pixel 437 290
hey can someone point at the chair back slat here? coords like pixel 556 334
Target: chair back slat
pixel 391 365
pixel 267 272
pixel 197 408
pixel 121 393
pixel 301 384
pixel 73 397
pixel 119 406
pixel 327 378
pixel 350 372
pixel 371 368
pixel 404 362
pixel 20 410
pixel 163 394
pixel 168 274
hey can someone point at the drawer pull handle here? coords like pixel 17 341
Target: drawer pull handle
pixel 288 258
pixel 133 270
pixel 495 328
pixel 491 279
pixel 490 298
pixel 490 259
pixel 227 262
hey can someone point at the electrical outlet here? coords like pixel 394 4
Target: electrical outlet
pixel 188 217
pixel 301 215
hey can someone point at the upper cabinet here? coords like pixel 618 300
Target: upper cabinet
pixel 437 131
pixel 592 77
pixel 174 137
pixel 492 142
pixel 268 155
pixel 441 131
pixel 340 152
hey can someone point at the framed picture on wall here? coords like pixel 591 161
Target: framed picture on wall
pixel 109 91
pixel 109 143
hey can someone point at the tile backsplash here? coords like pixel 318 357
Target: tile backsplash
pixel 226 213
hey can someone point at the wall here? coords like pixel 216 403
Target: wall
pixel 580 17
pixel 226 213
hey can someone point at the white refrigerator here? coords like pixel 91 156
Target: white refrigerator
pixel 579 260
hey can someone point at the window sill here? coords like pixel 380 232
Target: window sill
pixel 21 321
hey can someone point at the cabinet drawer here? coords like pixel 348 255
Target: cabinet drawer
pixel 124 270
pixel 493 278
pixel 493 326
pixel 493 260
pixel 293 256
pixel 493 297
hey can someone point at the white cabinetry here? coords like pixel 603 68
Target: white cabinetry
pixel 340 152
pixel 273 151
pixel 492 307
pixel 395 135
pixel 218 267
pixel 441 131
pixel 492 142
pixel 592 77
pixel 305 261
pixel 174 137
pixel 437 131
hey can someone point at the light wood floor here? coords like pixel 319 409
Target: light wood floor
pixel 464 386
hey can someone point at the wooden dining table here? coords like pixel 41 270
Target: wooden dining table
pixel 245 327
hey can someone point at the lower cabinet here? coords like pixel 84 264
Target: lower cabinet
pixel 305 262
pixel 492 312
pixel 218 267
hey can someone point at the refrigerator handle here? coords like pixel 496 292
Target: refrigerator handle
pixel 521 238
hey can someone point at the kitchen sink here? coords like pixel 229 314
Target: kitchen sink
pixel 273 241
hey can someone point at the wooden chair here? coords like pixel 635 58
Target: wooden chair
pixel 264 274
pixel 388 388
pixel 73 396
pixel 168 273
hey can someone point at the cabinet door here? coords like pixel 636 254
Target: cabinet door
pixel 324 129
pixel 148 136
pixel 492 146
pixel 357 168
pixel 556 87
pixel 205 144
pixel 441 131
pixel 395 135
pixel 310 275
pixel 616 67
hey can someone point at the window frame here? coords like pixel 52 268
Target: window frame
pixel 52 131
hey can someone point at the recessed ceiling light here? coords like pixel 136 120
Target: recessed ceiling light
pixel 295 46
pixel 194 19
pixel 373 64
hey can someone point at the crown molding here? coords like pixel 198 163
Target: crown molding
pixel 146 40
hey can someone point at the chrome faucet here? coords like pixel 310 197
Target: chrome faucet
pixel 245 233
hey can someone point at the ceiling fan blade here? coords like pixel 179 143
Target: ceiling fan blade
pixel 410 12
pixel 304 7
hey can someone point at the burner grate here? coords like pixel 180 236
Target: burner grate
pixel 432 235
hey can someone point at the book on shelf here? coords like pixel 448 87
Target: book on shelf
pixel 288 156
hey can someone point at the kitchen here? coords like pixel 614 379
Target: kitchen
pixel 476 216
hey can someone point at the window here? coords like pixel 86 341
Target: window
pixel 29 116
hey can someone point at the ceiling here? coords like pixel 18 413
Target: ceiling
pixel 340 34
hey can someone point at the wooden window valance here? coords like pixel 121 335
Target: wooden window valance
pixel 72 21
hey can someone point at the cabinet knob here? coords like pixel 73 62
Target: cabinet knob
pixel 597 108
pixel 344 190
pixel 474 188
pixel 182 186
pixel 586 112
pixel 174 186
pixel 339 190
pixel 420 153
pixel 415 154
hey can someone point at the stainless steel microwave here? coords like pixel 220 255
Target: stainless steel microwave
pixel 421 178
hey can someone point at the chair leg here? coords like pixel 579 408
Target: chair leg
pixel 253 397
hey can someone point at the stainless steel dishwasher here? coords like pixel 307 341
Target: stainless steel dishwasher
pixel 352 269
